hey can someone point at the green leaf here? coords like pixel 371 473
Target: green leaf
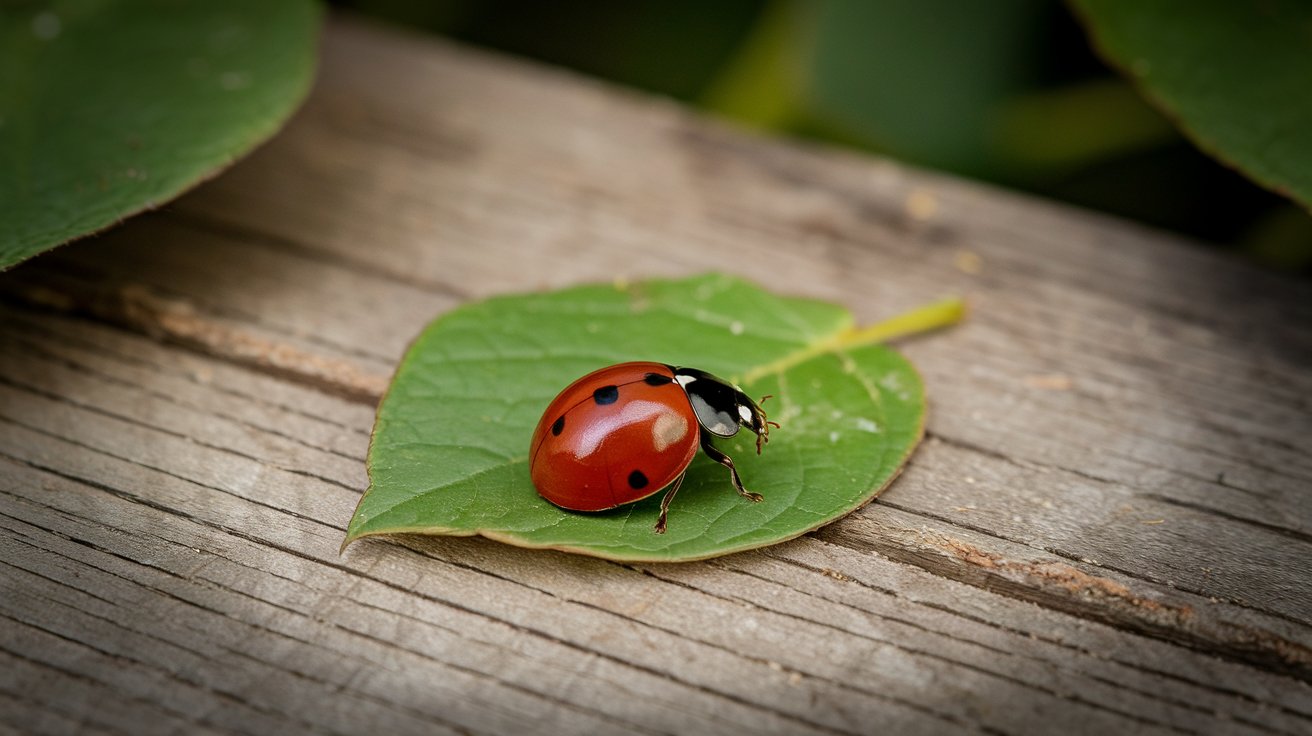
pixel 922 77
pixel 110 107
pixel 450 447
pixel 1235 75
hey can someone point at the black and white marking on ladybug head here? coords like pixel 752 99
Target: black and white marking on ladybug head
pixel 745 413
pixel 721 407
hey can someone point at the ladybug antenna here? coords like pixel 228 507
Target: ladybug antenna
pixel 763 414
pixel 764 436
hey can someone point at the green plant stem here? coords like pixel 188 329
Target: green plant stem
pixel 930 317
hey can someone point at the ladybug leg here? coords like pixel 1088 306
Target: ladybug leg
pixel 665 502
pixel 723 459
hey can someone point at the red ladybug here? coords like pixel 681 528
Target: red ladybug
pixel 620 434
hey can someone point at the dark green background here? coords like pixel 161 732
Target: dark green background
pixel 1007 91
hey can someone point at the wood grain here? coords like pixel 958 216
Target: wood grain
pixel 1107 529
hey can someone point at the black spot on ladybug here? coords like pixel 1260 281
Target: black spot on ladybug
pixel 558 426
pixel 656 379
pixel 606 395
pixel 637 480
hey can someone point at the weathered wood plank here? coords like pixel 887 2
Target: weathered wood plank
pixel 1106 530
pixel 219 507
pixel 1160 615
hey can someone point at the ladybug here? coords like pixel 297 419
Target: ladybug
pixel 623 433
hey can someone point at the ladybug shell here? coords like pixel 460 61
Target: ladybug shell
pixel 613 437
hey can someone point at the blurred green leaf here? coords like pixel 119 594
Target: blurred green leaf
pixel 763 84
pixel 1235 75
pixel 921 77
pixel 1046 134
pixel 109 107
pixel 450 447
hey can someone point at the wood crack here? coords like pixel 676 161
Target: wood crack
pixel 1067 589
pixel 33 328
pixel 162 430
pixel 1034 634
pixel 137 309
pixel 154 505
pixel 1027 465
pixel 37 349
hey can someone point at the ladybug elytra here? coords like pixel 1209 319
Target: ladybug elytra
pixel 623 433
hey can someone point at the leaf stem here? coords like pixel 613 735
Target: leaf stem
pixel 934 316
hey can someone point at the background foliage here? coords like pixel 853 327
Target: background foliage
pixel 108 108
pixel 1008 91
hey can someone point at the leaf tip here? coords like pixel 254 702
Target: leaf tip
pixel 955 309
pixel 353 534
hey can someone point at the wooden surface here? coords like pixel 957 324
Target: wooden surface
pixel 1107 529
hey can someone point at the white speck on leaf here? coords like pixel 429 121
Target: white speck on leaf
pixel 736 327
pixel 833 438
pixel 865 425
pixel 46 26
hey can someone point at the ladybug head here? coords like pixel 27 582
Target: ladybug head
pixel 722 407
